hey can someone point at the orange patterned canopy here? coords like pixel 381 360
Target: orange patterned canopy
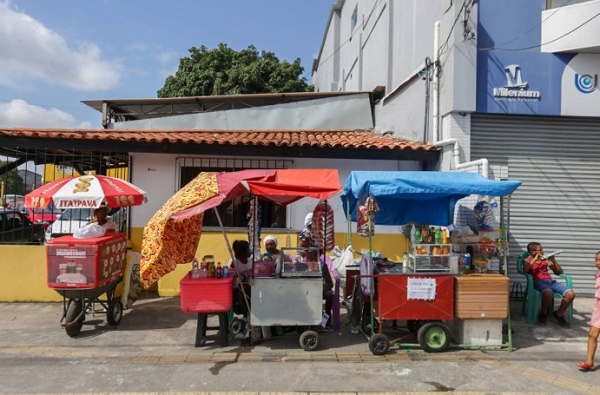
pixel 167 242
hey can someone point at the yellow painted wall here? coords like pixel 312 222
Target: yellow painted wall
pixel 23 268
pixel 24 273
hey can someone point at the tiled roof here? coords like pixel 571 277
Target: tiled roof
pixel 351 139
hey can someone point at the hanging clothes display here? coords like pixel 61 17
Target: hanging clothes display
pixel 323 226
pixel 365 213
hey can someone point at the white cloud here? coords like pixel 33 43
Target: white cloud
pixel 166 57
pixel 30 50
pixel 19 113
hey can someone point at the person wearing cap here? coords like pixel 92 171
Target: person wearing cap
pixel 101 214
pixel 270 243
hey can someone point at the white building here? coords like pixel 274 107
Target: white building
pixel 507 88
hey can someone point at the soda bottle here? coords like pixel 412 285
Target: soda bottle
pixel 417 235
pixel 213 270
pixel 444 236
pixel 219 271
pixel 467 261
pixel 461 264
pixel 438 235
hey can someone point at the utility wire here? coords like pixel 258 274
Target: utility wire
pixel 530 30
pixel 547 42
pixel 445 44
pixel 350 38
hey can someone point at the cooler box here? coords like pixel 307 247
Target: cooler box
pixel 481 296
pixel 85 263
pixel 206 295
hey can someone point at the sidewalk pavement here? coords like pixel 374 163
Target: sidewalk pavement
pixel 152 350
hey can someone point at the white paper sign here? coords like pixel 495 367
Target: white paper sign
pixel 420 288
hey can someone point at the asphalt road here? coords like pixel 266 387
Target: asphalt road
pixel 152 351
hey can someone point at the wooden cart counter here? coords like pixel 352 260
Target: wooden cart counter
pixel 481 295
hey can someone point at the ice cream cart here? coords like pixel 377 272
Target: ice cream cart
pixel 422 290
pixel 81 271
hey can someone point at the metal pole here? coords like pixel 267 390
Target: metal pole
pixel 238 275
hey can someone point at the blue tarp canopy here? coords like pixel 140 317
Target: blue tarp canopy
pixel 426 197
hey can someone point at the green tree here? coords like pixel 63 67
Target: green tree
pixel 224 71
pixel 13 183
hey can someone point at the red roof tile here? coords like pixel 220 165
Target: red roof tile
pixel 351 139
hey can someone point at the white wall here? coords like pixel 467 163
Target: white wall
pixel 156 174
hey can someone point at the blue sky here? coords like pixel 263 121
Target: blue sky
pixel 57 53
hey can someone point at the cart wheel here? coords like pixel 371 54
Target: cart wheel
pixel 379 344
pixel 366 325
pixel 413 326
pixel 434 337
pixel 73 312
pixel 309 341
pixel 114 312
pixel 237 326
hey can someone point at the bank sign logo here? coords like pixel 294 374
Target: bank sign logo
pixel 515 88
pixel 586 83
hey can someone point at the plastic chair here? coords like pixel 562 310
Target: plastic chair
pixel 533 299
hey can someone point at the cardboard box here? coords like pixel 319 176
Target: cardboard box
pixel 481 296
pixel 85 263
pixel 206 295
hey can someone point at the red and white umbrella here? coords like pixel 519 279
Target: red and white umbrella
pixel 87 191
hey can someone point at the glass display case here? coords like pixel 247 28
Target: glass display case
pixel 429 257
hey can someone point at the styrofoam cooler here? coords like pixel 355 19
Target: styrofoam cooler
pixel 85 263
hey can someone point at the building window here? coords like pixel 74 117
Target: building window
pixel 234 213
pixel 354 20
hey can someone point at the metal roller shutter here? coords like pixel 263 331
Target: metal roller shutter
pixel 558 160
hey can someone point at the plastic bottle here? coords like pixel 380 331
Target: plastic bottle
pixel 444 235
pixel 461 264
pixel 219 271
pixel 213 270
pixel 467 260
pixel 413 234
pixel 438 235
pixel 195 268
pixel 417 235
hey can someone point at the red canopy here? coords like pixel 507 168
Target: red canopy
pixel 291 185
pixel 278 186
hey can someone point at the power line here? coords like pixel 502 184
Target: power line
pixel 548 42
pixel 350 38
pixel 532 29
pixel 452 28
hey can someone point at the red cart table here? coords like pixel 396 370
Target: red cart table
pixel 207 296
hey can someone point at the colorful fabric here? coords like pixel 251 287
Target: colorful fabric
pixel 167 242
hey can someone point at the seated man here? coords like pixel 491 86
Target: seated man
pixel 537 266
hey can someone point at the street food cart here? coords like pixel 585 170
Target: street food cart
pixel 81 270
pixel 291 300
pixel 423 289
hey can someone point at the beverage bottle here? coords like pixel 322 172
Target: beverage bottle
pixel 219 271
pixel 438 235
pixel 417 235
pixel 412 234
pixel 444 236
pixel 195 273
pixel 467 261
pixel 424 235
pixel 213 270
pixel 461 264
